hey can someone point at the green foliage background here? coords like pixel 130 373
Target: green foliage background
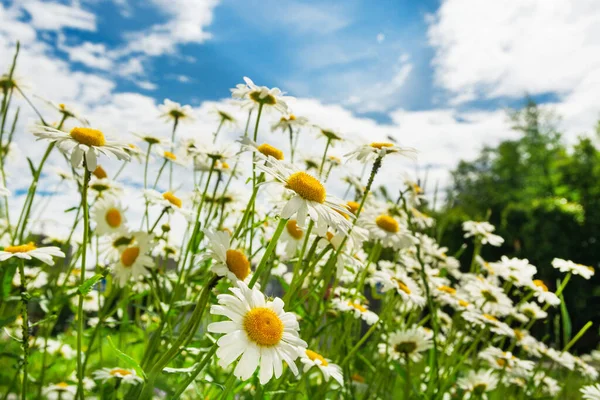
pixel 544 199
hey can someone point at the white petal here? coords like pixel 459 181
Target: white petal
pixel 266 365
pixel 76 157
pixel 90 159
pixel 248 363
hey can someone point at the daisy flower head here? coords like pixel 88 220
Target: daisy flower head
pixel 313 359
pixel 253 96
pixel 168 201
pixel 170 157
pixel 172 111
pixel 357 309
pixel 68 112
pixel 372 151
pixel 407 343
pixel 387 229
pixel 134 260
pixel 109 216
pixel 482 231
pixel 259 331
pixel 292 237
pixel 29 251
pixel 227 261
pixel 153 140
pixel 82 141
pixel 105 187
pixel 288 122
pixel 543 294
pixel 309 198
pixel 591 392
pixel 123 375
pixel 476 383
pixel 576 269
pixel 264 150
pixel 399 281
pixel 226 117
pixel 60 390
pixel 489 298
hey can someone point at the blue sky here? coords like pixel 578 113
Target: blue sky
pixel 436 75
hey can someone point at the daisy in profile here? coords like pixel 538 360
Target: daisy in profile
pixel 156 141
pixel 329 134
pixel 228 262
pixel 288 122
pixel 591 392
pixel 477 383
pixel 259 331
pixel 489 298
pixel 29 251
pixel 408 343
pixel 167 201
pixel 482 231
pixel 543 295
pixel 309 198
pixel 4 191
pixel 576 269
pixel 292 237
pixel 374 150
pixel 264 150
pixel 134 260
pixel 386 229
pixel 60 390
pixel 355 308
pixel 82 141
pixel 109 216
pixel 123 375
pixel 260 96
pixel 170 157
pixel 532 311
pixel 172 111
pixel 399 281
pixel 313 359
pixel 105 187
pixel 67 111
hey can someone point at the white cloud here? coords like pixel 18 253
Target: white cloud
pixel 55 16
pixel 147 85
pixel 92 55
pixel 186 23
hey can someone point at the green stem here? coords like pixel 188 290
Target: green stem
pixel 25 328
pixel 324 155
pixel 228 387
pixel 80 316
pixel 268 251
pixel 175 123
pixel 188 381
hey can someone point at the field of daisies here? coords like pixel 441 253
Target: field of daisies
pixel 279 291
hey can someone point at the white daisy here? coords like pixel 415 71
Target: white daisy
pixel 61 390
pixel 313 359
pixel 406 343
pixel 170 157
pixel 168 201
pixel 288 122
pixel 123 375
pixel 591 392
pixel 576 269
pixel 259 331
pixel 488 297
pixel 399 281
pixel 82 141
pixel 309 198
pixel 387 229
pixel 292 238
pixel 357 309
pixel 134 260
pixel 171 110
pixel 29 251
pixel 109 216
pixel 483 232
pixel 264 150
pixel 260 95
pixel 478 382
pixel 532 311
pixel 228 262
pixel 370 152
pixel 543 295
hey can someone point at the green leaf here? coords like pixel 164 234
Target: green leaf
pixel 71 209
pixel 567 328
pixel 126 359
pixel 31 167
pixel 86 286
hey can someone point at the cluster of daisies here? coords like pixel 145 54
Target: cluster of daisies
pixel 231 270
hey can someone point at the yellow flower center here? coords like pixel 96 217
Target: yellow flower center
pixel 329 236
pixel 358 378
pixel 307 186
pixel 540 284
pixel 269 150
pixel 263 326
pixel 171 198
pixel 463 303
pixel 268 99
pixel 316 356
pixel 88 136
pixel 293 230
pixel 402 286
pixel 100 173
pixel 518 334
pixel 23 248
pixel 169 155
pixel 357 306
pixel 238 263
pixel 447 289
pixel 353 206
pixel 62 385
pixel 122 372
pixel 292 117
pixel 387 223
pixel 490 317
pixel 129 256
pixel 113 218
pixel 501 362
pixel 380 145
